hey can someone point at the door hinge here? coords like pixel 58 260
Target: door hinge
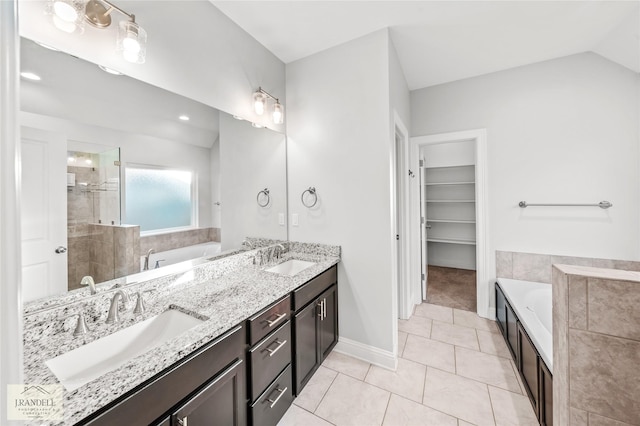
pixel 423 277
pixel 117 163
pixel 422 220
pixel 397 237
pixel 421 163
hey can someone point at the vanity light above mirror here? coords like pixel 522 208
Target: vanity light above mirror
pixel 70 16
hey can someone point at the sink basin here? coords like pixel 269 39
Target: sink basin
pixel 86 363
pixel 291 267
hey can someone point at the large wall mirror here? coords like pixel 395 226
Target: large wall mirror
pixel 123 176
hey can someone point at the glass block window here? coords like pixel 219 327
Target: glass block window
pixel 159 199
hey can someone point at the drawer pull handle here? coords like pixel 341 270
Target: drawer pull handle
pixel 277 320
pixel 280 344
pixel 183 421
pixel 275 401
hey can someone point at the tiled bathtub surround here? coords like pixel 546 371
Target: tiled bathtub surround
pixel 175 240
pixel 596 340
pixel 223 292
pixel 537 267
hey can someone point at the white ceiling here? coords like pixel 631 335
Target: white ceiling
pixel 443 41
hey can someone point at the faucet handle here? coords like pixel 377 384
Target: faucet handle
pixel 81 325
pixel 140 305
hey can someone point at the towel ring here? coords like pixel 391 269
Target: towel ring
pixel 265 195
pixel 311 191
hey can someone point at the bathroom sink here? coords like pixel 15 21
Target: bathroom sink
pixel 291 267
pixel 86 363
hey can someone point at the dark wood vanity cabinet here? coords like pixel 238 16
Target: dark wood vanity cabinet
pixel 270 385
pixel 220 402
pixel 315 324
pixel 207 386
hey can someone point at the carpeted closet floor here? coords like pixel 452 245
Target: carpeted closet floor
pixel 455 288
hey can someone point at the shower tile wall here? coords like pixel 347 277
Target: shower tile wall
pixel 174 240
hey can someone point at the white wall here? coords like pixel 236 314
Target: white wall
pixel 10 254
pixel 193 49
pixel 560 131
pixel 139 149
pixel 339 141
pixel 251 160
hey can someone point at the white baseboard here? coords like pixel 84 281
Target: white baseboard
pixel 370 354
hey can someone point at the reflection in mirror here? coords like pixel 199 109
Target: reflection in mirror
pixel 170 179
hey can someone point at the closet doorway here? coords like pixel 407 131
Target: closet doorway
pixel 448 219
pixel 449 216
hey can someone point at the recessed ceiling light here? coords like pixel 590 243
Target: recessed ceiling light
pixel 257 126
pixel 109 70
pixel 184 117
pixel 30 76
pixel 237 117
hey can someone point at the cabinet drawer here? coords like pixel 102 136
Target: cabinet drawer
pixel 268 320
pixel 313 288
pixel 269 358
pixel 274 402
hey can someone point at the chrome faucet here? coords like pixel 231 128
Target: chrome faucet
pixel 276 251
pixel 88 280
pixel 113 316
pixel 146 260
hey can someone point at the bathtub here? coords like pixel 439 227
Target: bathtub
pixel 531 302
pixel 182 254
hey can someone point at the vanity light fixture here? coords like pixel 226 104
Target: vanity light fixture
pixel 184 117
pixel 70 16
pixel 260 98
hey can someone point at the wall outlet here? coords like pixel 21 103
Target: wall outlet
pixel 294 219
pixel 281 219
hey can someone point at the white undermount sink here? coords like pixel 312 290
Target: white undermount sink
pixel 291 267
pixel 86 363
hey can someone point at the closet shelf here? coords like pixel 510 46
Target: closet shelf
pixel 451 241
pixel 451 167
pixel 449 183
pixel 451 221
pixel 450 201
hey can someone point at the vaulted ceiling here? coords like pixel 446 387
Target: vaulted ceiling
pixel 443 41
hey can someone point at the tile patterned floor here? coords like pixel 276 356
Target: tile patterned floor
pixel 454 369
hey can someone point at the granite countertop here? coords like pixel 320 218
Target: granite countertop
pixel 233 289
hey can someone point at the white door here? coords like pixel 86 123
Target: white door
pixel 43 212
pixel 423 230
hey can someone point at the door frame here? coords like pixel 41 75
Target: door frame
pixel 479 138
pixel 400 213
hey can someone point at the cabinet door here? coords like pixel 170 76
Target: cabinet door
pixel 528 366
pixel 546 396
pixel 512 331
pixel 328 324
pixel 306 344
pixel 221 402
pixel 501 311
